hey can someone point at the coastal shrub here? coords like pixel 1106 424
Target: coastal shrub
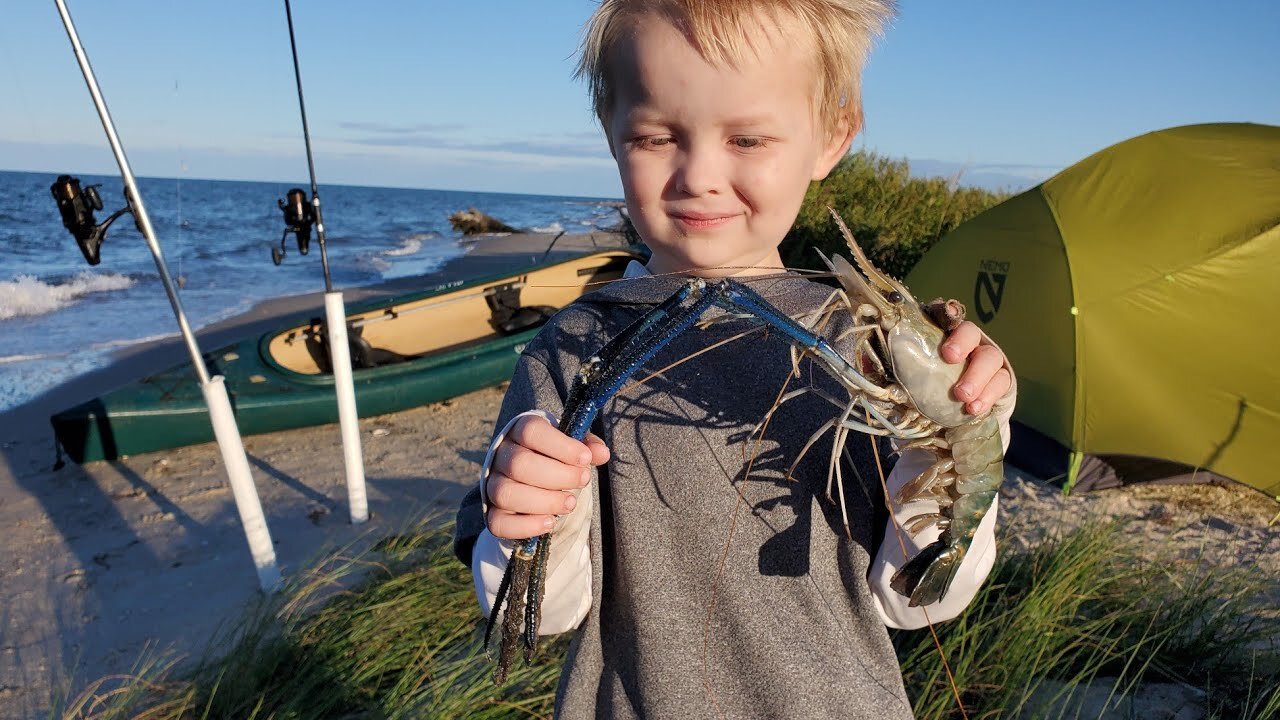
pixel 895 218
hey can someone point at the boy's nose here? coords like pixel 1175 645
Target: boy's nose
pixel 699 172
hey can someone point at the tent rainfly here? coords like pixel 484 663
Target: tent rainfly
pixel 1135 294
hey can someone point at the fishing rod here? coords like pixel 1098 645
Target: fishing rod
pixel 77 207
pixel 299 217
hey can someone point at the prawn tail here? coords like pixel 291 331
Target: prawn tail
pixel 926 577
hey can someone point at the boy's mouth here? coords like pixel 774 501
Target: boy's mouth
pixel 700 220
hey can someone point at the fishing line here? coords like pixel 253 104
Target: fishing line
pixel 785 272
pixel 898 533
pixel 182 223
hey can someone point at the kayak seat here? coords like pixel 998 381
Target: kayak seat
pixel 525 318
pixel 363 354
pixel 508 317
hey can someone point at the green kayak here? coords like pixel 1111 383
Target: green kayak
pixel 406 351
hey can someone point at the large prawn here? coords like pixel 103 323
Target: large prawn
pixel 896 383
pixel 899 342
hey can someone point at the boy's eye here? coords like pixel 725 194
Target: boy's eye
pixel 747 142
pixel 650 142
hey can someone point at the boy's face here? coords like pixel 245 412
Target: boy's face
pixel 715 161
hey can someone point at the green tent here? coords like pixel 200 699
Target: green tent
pixel 1137 295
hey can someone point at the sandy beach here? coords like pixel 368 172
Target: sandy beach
pixel 107 560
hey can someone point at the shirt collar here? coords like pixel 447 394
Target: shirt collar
pixel 635 270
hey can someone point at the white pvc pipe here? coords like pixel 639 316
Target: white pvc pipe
pixel 344 386
pixel 242 487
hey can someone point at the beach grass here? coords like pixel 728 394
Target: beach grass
pixel 394 633
pixel 1097 610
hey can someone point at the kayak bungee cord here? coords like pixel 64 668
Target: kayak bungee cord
pixel 298 218
pixel 77 214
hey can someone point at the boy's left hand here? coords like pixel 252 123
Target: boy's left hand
pixel 985 379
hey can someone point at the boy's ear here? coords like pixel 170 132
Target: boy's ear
pixel 838 143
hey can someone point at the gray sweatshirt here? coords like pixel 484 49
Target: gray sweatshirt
pixel 718 587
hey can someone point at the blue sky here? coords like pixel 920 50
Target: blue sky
pixel 479 95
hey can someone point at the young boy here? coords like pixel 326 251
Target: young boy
pixel 702 581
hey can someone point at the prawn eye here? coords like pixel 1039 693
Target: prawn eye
pixel 895 297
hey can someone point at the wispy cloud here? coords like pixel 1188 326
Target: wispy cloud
pixel 993 176
pixel 389 129
pixel 586 136
pixel 582 145
pixel 589 147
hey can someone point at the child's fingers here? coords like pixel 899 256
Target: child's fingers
pixel 995 390
pixel 537 434
pixel 530 467
pixel 599 451
pixel 518 497
pixel 960 342
pixel 985 362
pixel 512 526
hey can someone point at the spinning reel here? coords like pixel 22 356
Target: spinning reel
pixel 298 219
pixel 77 206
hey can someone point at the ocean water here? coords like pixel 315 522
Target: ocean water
pixel 61 317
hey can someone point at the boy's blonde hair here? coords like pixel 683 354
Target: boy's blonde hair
pixel 840 32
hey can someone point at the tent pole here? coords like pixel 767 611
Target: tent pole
pixel 1073 472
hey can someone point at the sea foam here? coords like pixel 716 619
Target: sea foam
pixel 27 295
pixel 409 245
pixel 6 359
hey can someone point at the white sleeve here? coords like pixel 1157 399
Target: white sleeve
pixel 568 581
pixel 976 564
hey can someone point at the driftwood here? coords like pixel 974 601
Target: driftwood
pixel 624 226
pixel 474 222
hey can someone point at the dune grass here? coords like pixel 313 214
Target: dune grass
pixel 1092 607
pixel 402 641
pixel 391 633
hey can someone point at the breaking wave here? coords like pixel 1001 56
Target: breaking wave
pixel 408 246
pixel 7 359
pixel 126 342
pixel 27 295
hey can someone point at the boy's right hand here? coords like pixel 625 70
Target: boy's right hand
pixel 535 475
